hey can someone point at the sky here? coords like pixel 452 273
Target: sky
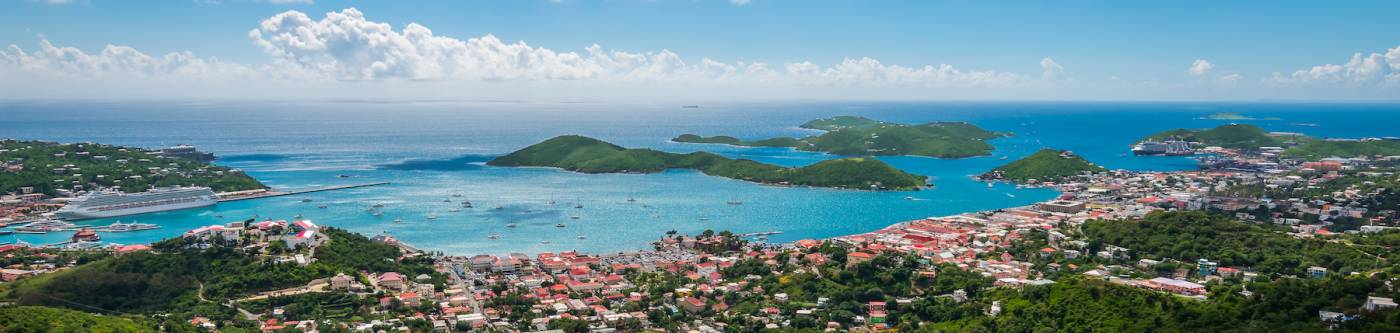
pixel 700 50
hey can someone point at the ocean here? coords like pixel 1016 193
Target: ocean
pixel 430 151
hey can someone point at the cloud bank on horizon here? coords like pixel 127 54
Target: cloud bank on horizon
pixel 344 53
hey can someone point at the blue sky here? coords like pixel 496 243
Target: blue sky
pixel 1109 50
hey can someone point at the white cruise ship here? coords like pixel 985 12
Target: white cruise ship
pixel 94 205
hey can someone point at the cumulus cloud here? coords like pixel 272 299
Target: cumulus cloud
pixel 1371 69
pixel 346 46
pixel 1050 70
pixel 1200 67
pixel 113 60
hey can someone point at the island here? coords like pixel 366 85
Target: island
pixel 50 168
pixel 588 155
pixel 1044 165
pixel 1293 145
pixel 860 136
pixel 1234 116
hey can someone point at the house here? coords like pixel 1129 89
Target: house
pixel 391 280
pixel 1317 272
pixel 10 275
pixel 1378 303
pixel 341 282
pixel 855 258
pixel 1175 286
pixel 692 304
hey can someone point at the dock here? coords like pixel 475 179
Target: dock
pixel 250 195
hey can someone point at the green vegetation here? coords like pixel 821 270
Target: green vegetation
pixel 1044 165
pixel 1187 236
pixel 1087 305
pixel 45 319
pixel 107 166
pixel 858 136
pixel 1238 136
pixel 171 277
pixel 1319 149
pixel 588 155
pixel 1234 116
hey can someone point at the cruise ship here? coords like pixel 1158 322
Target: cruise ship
pixel 95 205
pixel 1169 148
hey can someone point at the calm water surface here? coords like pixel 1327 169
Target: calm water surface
pixel 430 151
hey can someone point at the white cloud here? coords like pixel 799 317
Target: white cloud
pixel 1361 70
pixel 1200 67
pixel 346 46
pixel 1050 70
pixel 113 61
pixel 739 2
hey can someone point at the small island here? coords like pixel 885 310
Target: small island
pixel 589 155
pixel 860 136
pixel 1045 165
pixel 1234 116
pixel 50 168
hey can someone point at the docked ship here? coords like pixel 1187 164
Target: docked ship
pixel 94 205
pixel 1169 148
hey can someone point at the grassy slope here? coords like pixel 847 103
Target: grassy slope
pixel 858 136
pixel 1044 165
pixel 45 319
pixel 588 155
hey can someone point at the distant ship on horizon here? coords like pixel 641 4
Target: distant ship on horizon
pixel 95 205
pixel 690 106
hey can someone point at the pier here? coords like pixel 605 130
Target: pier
pixel 259 194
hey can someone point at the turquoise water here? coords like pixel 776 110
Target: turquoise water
pixel 429 151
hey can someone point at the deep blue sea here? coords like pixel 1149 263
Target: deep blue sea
pixel 431 150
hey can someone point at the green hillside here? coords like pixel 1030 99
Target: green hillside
pixel 1044 165
pixel 588 155
pixel 1319 149
pixel 858 136
pixel 107 166
pixel 1239 136
pixel 46 319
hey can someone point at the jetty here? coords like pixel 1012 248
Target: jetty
pixel 265 193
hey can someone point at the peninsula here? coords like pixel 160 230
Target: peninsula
pixel 50 167
pixel 1250 137
pixel 860 136
pixel 1045 165
pixel 589 155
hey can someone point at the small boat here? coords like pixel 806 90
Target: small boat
pixel 321 206
pixel 734 202
pixel 704 219
pixel 1002 158
pixel 544 242
pixel 378 205
pixel 494 236
pixel 306 200
pixel 378 214
pixel 582 237
pixel 631 199
pixel 558 225
pixel 218 216
pixel 133 226
pixel 580 206
pixel 909 198
pixel 466 204
pixel 989 184
pixel 432 216
pixel 454 210
pixel 446 200
pixel 499 207
pixel 342 176
pixel 575 217
pixel 6 232
pixel 551 202
pixel 297 216
pixel 397 221
pixel 512 225
pixel 456 195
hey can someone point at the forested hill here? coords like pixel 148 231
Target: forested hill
pixel 589 155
